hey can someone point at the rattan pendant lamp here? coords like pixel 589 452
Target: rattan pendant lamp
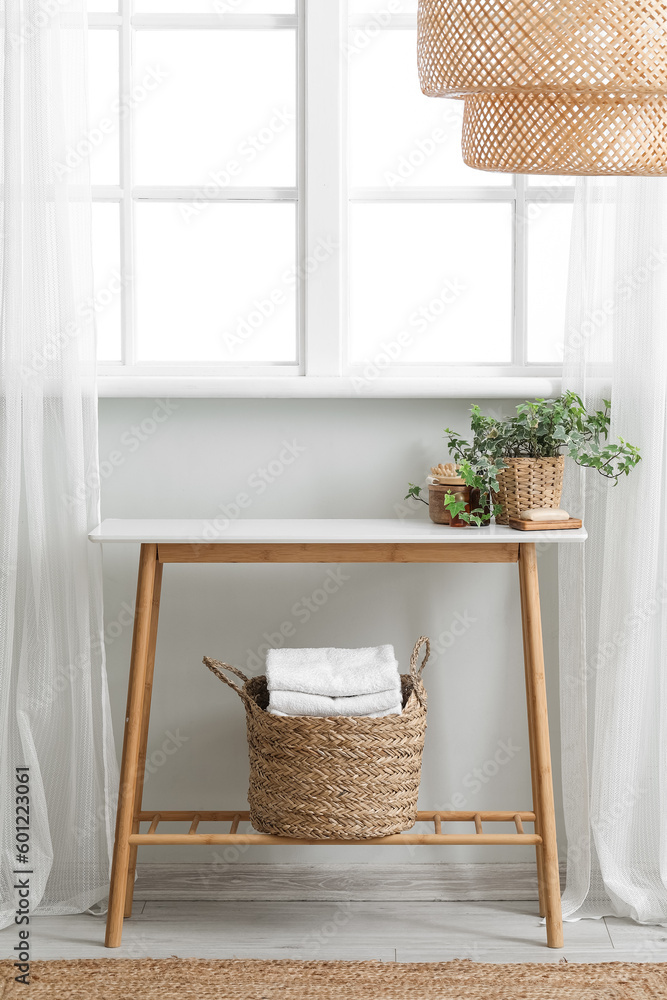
pixel 552 86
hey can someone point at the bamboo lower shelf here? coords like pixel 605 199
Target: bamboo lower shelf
pixel 436 819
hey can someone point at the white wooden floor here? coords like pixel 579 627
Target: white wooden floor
pixel 384 930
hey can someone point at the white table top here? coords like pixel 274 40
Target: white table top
pixel 300 530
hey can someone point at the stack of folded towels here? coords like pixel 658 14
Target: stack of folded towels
pixel 332 682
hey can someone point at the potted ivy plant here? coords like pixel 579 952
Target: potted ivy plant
pixel 518 462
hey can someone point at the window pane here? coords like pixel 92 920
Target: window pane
pixel 219 108
pixel 218 285
pixel 108 280
pixel 384 9
pixel 102 140
pixel 548 258
pixel 433 280
pixel 214 6
pixel 399 138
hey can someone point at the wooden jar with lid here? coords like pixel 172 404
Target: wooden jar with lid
pixel 436 502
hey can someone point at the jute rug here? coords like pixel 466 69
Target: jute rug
pixel 200 979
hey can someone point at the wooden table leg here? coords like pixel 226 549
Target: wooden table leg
pixel 143 743
pixel 531 741
pixel 538 722
pixel 141 644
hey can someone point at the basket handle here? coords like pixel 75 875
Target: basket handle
pixel 216 667
pixel 416 670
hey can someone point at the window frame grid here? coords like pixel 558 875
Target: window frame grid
pixel 127 194
pixel 520 195
pixel 321 197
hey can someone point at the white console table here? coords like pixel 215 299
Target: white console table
pixel 327 541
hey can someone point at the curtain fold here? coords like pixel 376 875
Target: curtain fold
pixel 613 590
pixel 54 707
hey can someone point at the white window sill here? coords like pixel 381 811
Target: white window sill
pixel 344 387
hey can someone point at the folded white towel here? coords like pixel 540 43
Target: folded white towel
pixel 325 715
pixel 336 673
pixel 297 703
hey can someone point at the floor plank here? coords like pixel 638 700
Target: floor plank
pixel 645 939
pixel 482 927
pixel 405 931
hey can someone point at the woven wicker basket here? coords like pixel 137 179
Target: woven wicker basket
pixel 335 778
pixel 529 482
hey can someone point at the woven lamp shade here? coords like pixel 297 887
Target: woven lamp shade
pixel 568 86
pixel 563 134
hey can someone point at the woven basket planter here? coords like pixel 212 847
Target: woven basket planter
pixel 335 778
pixel 529 482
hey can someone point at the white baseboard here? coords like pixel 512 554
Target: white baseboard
pixel 421 882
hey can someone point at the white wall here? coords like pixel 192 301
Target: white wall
pixel 354 459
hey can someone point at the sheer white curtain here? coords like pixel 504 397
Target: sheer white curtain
pixel 613 591
pixel 54 711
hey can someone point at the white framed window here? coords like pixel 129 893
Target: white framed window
pixel 275 202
